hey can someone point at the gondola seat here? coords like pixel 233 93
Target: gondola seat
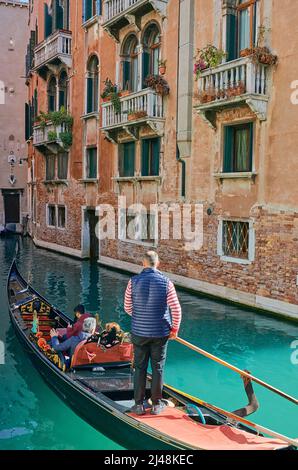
pixel 89 355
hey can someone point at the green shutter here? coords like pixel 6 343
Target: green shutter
pixel 48 25
pixel 59 16
pixel 90 95
pixel 145 157
pixel 155 157
pixel 228 149
pixel 126 75
pixel 87 10
pixel 129 159
pixel 27 121
pixel 251 141
pixel 231 37
pixel 146 67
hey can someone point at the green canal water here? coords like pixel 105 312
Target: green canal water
pixel 31 415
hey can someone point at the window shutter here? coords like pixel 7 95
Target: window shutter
pixel 48 24
pixel 146 67
pixel 155 157
pixel 231 37
pixel 129 159
pixel 27 119
pixel 126 75
pixel 90 95
pixel 228 150
pixel 251 142
pixel 59 15
pixel 145 157
pixel 87 9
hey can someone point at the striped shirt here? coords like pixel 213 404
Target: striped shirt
pixel 172 302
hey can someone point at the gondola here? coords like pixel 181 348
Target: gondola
pixel 101 391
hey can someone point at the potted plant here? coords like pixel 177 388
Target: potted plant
pixel 109 88
pixel 52 136
pixel 208 57
pixel 158 84
pixel 260 53
pixel 162 64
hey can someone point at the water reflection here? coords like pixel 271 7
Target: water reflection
pixel 248 340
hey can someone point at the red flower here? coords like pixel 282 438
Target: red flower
pixel 41 343
pixel 39 334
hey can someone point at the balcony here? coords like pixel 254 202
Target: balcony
pixel 120 13
pixel 54 50
pixel 140 108
pixel 47 138
pixel 231 84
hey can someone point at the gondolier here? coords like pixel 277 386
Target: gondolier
pixel 152 301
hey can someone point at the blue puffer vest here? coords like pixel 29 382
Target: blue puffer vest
pixel 151 316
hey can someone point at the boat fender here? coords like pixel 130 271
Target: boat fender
pixel 190 411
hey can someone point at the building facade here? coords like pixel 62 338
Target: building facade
pixel 123 107
pixel 13 151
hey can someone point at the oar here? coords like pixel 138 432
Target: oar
pixel 239 371
pixel 236 418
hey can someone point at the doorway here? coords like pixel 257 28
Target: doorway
pixel 93 240
pixel 11 207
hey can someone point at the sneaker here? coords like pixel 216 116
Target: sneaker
pixel 138 410
pixel 157 409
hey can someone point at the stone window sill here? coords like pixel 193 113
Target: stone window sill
pixel 94 114
pixel 240 175
pixel 91 21
pixel 139 242
pixel 230 259
pixel 89 180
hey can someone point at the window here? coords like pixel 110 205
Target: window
pixel 241 28
pixel 52 95
pixel 50 168
pixel 48 21
pixel 150 157
pixel 130 64
pixel 62 166
pixel 91 8
pixel 238 148
pixel 91 163
pixel 151 51
pixel 52 216
pixel 235 239
pixel 61 217
pixel 246 24
pixel 92 85
pixel 127 159
pixel 140 227
pixel 63 90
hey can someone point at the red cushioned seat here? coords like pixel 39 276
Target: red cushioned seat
pixel 94 354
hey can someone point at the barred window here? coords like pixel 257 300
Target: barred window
pixel 236 239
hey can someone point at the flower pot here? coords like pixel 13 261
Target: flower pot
pixel 124 93
pixel 131 117
pixel 246 52
pixel 106 99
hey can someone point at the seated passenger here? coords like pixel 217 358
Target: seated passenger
pixel 76 328
pixel 69 345
pixel 110 336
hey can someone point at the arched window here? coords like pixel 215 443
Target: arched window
pixel 63 90
pixel 151 51
pixel 130 64
pixel 52 95
pixel 92 85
